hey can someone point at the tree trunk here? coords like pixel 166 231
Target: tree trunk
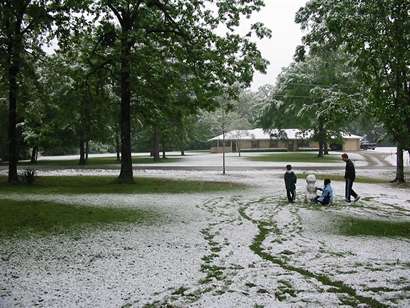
pixel 400 166
pixel 326 149
pixel 13 155
pixel 182 139
pixel 321 139
pixel 164 154
pixel 34 154
pixel 86 150
pixel 156 144
pixel 126 173
pixel 117 147
pixel 14 62
pixel 82 153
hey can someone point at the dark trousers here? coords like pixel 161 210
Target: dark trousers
pixel 291 194
pixel 349 190
pixel 324 202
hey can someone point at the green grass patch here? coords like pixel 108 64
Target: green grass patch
pixel 293 157
pixel 110 185
pixel 99 161
pixel 380 228
pixel 340 178
pixel 26 218
pixel 266 228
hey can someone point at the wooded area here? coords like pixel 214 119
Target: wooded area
pixel 145 74
pixel 118 63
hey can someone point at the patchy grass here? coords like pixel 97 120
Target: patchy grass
pixel 25 218
pixel 110 185
pixel 340 178
pixel 212 271
pixel 99 161
pixel 265 228
pixel 293 157
pixel 380 228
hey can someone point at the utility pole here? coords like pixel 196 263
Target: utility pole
pixel 238 143
pixel 223 141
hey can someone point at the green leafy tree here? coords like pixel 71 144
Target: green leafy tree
pixel 22 24
pixel 243 113
pixel 3 124
pixel 376 36
pixel 189 28
pixel 32 103
pixel 320 93
pixel 78 87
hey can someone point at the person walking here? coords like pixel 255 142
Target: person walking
pixel 290 183
pixel 350 176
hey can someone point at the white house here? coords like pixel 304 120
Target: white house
pixel 284 139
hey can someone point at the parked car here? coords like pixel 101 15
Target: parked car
pixel 367 145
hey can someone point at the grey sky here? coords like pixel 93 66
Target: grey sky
pixel 278 15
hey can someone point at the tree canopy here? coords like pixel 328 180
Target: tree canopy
pixel 320 93
pixel 376 36
pixel 145 62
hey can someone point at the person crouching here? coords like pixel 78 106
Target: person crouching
pixel 290 183
pixel 327 194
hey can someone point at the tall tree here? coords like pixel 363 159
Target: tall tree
pixel 320 93
pixel 21 24
pixel 78 85
pixel 189 28
pixel 376 35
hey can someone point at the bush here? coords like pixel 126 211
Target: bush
pixel 28 176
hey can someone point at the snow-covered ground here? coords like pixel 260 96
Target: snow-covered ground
pixel 390 155
pixel 205 159
pixel 241 248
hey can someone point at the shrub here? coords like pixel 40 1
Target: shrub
pixel 28 176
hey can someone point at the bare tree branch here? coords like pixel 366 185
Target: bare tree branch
pixel 116 12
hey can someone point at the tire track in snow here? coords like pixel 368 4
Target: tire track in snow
pixel 279 286
pixel 266 228
pixel 219 270
pixel 272 219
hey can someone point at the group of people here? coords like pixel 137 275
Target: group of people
pixel 327 194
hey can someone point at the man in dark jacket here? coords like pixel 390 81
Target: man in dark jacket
pixel 290 183
pixel 350 176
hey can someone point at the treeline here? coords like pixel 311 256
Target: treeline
pixel 120 70
pixel 351 73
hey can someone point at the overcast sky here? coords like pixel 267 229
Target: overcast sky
pixel 279 16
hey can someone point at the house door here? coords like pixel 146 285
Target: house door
pixel 234 146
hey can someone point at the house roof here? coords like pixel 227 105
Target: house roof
pixel 260 134
pixel 351 136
